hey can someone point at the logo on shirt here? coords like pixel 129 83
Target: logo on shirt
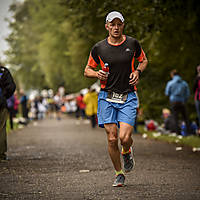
pixel 127 50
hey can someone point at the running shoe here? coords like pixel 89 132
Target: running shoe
pixel 119 181
pixel 129 162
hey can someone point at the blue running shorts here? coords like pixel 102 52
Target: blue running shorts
pixel 109 112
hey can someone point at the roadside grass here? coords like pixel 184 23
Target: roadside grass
pixel 8 129
pixel 191 141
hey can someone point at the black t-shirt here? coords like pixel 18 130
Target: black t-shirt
pixel 120 59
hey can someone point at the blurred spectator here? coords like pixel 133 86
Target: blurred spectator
pixel 67 106
pixel 80 112
pixel 35 107
pixel 169 123
pixel 32 113
pixel 51 106
pixel 73 105
pixel 178 92
pixel 58 103
pixel 41 108
pixel 23 102
pixel 16 104
pixel 7 88
pixel 10 104
pixel 194 128
pixel 151 125
pixel 196 90
pixel 91 101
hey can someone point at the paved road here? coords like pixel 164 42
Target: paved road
pixel 46 159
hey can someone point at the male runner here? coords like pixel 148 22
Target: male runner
pixel 117 101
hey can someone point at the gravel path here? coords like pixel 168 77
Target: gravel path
pixel 46 162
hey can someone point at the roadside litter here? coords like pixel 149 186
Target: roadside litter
pixel 179 148
pixel 195 149
pixel 84 170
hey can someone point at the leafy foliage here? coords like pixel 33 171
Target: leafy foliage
pixel 51 40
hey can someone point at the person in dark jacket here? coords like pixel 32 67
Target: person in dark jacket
pixel 24 102
pixel 10 106
pixel 196 90
pixel 7 88
pixel 178 92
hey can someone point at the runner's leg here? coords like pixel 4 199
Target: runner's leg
pixel 126 141
pixel 113 149
pixel 125 133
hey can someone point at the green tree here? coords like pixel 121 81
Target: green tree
pixel 51 40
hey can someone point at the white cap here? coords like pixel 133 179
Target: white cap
pixel 114 14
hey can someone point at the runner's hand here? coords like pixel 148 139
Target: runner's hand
pixel 134 78
pixel 101 75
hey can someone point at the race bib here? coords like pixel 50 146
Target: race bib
pixel 116 97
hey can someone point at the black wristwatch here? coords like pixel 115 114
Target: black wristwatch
pixel 139 71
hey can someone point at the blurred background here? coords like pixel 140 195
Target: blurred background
pixel 46 44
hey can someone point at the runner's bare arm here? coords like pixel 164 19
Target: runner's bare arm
pixel 90 73
pixel 134 76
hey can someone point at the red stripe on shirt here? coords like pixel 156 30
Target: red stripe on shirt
pixel 91 62
pixel 141 57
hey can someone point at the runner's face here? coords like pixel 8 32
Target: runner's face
pixel 115 28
